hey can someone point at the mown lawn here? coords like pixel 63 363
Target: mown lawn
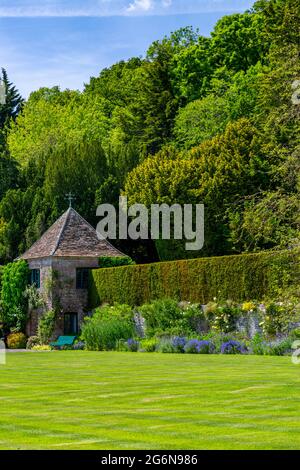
pixel 86 400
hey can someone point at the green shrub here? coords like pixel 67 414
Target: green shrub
pixel 1 272
pixel 149 345
pixel 16 341
pixel 132 345
pixel 101 335
pixel 161 316
pixel 118 311
pixel 32 341
pixel 241 277
pixel 258 345
pixel 115 261
pixel 295 334
pixel 46 327
pixel 167 317
pixel 165 345
pixel 279 347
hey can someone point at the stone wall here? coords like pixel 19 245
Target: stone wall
pixel 65 294
pixel 58 289
pixel 247 324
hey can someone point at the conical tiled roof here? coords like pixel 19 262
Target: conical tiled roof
pixel 71 235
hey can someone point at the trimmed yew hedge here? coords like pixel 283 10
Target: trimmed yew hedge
pixel 241 277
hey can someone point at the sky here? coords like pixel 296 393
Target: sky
pixel 65 42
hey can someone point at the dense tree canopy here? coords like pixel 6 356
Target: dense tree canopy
pixel 197 120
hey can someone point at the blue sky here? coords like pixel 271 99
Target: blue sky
pixel 65 42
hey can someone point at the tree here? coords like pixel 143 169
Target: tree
pixel 191 70
pixel 238 41
pixel 217 173
pixel 13 101
pixel 197 120
pixel 165 179
pixel 200 120
pixel 79 169
pixel 281 20
pixel 9 174
pixel 52 118
pixel 15 213
pixel 267 220
pixel 157 102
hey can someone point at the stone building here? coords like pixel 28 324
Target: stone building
pixel 59 264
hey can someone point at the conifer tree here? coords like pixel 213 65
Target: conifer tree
pixel 13 101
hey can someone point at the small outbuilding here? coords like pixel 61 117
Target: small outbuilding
pixel 59 264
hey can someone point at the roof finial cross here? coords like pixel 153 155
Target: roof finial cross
pixel 70 197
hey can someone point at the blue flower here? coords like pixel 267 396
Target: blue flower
pixel 232 347
pixel 206 347
pixel 179 343
pixel 133 345
pixel 194 346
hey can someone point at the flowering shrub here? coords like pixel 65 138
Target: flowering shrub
pixel 222 317
pixel 16 341
pixel 32 341
pixel 41 347
pixel 192 346
pixel 278 316
pixel 132 345
pixel 206 347
pixel 195 346
pixel 232 347
pixel 178 344
pixel 193 317
pixel 248 307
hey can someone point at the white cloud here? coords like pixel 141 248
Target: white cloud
pixel 166 3
pixel 140 6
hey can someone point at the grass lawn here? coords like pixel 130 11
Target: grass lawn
pixel 87 400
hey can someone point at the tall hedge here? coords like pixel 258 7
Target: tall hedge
pixel 242 277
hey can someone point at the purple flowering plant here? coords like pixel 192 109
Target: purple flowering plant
pixel 232 347
pixel 132 345
pixel 195 346
pixel 178 343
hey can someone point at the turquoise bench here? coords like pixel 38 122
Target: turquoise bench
pixel 63 341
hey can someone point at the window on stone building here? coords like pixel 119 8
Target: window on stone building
pixel 82 278
pixel 35 278
pixel 70 324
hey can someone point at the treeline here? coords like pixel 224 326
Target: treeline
pixel 198 120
